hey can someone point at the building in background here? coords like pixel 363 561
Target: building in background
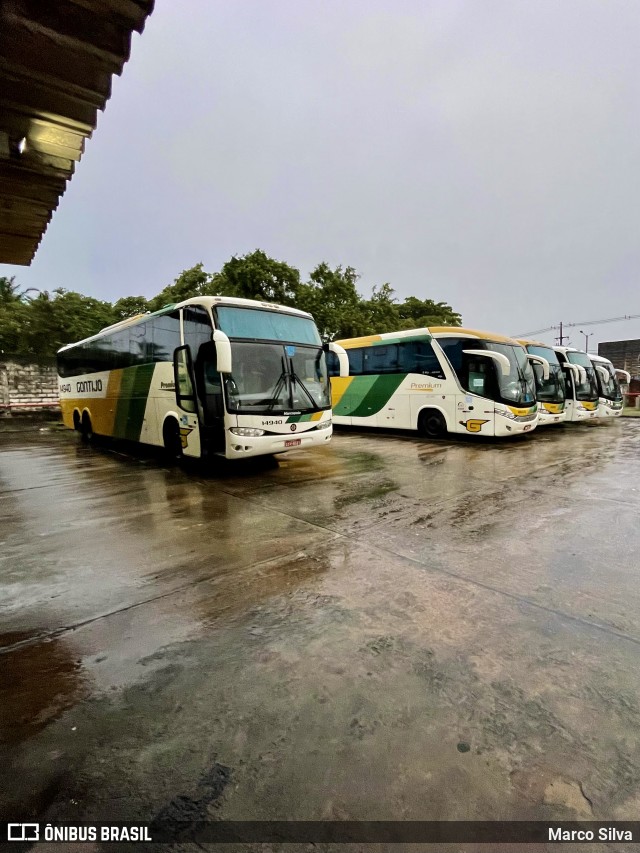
pixel 623 354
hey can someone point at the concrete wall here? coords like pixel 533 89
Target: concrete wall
pixel 26 386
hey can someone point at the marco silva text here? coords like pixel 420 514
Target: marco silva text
pixel 603 833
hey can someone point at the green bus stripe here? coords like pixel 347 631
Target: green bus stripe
pixel 379 394
pixel 132 402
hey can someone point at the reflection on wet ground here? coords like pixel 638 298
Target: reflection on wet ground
pixel 322 634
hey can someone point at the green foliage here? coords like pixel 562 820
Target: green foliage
pixel 129 306
pixel 35 323
pixel 192 282
pixel 257 276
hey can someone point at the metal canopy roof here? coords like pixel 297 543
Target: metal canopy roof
pixel 57 58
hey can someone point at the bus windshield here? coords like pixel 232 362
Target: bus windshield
pixel 273 378
pixel 553 389
pixel 609 388
pixel 518 386
pixel 264 325
pixel 482 376
pixel 587 390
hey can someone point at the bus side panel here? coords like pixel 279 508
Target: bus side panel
pixel 428 395
pixel 132 402
pixel 162 404
pixel 101 405
pixel 341 399
pixel 359 399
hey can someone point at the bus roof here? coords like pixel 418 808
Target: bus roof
pixel 205 301
pixel 430 332
pixel 383 338
pixel 437 331
pixel 527 343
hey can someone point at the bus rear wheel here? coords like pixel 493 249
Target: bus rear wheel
pixel 172 440
pixel 431 424
pixel 86 428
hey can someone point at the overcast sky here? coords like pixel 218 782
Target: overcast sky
pixel 477 152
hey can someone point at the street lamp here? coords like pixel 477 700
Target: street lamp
pixel 586 339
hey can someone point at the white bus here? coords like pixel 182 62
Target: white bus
pixel 437 380
pixel 207 376
pixel 582 386
pixel 550 384
pixel 610 400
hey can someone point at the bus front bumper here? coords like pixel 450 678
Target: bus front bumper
pixel 242 447
pixel 505 426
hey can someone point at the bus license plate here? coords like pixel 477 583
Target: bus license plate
pixel 293 442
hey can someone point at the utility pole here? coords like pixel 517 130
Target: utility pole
pixel 586 339
pixel 561 337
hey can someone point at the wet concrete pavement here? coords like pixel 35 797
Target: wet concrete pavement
pixel 324 637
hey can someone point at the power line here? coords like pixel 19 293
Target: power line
pixel 579 323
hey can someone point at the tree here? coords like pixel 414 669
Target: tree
pixel 332 298
pixel 257 276
pixel 129 306
pixel 417 313
pixel 382 311
pixel 191 282
pixel 51 321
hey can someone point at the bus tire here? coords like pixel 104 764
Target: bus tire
pixel 431 424
pixel 77 423
pixel 86 428
pixel 172 441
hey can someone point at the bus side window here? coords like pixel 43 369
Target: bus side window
pixel 333 364
pixel 166 336
pixel 419 357
pixel 380 359
pixel 355 362
pixel 197 328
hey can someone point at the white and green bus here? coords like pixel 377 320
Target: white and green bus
pixel 610 400
pixel 208 376
pixel 581 384
pixel 436 380
pixel 551 388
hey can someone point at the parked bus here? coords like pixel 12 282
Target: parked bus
pixel 582 386
pixel 438 380
pixel 610 400
pixel 550 388
pixel 207 376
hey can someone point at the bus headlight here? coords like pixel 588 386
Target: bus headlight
pixel 507 413
pixel 324 424
pixel 248 432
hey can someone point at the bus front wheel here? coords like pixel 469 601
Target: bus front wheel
pixel 172 440
pixel 431 424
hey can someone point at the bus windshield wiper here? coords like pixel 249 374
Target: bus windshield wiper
pixel 297 379
pixel 276 391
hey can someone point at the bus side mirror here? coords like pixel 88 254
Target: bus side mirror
pixel 603 373
pixel 543 361
pixel 183 379
pixel 343 358
pixel 501 359
pixel 223 351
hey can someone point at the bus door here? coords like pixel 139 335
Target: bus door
pixel 210 398
pixel 474 408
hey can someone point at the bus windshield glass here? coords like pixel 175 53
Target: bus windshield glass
pixel 518 386
pixel 609 388
pixel 254 324
pixel 482 376
pixel 551 390
pixel 273 378
pixel 587 390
